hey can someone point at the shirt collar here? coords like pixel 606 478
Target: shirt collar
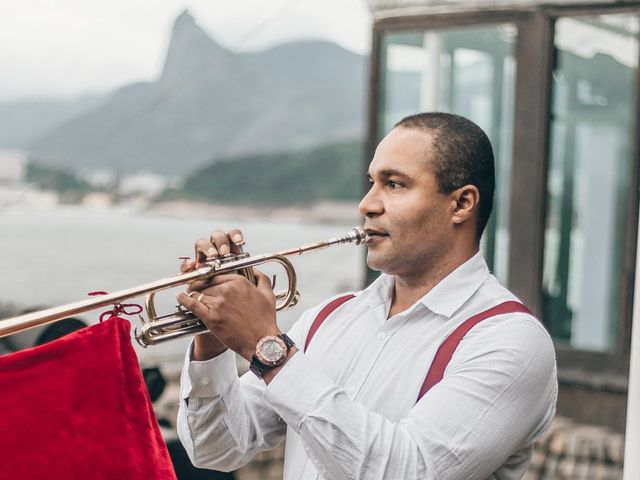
pixel 379 291
pixel 457 287
pixel 447 296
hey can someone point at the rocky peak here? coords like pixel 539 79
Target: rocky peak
pixel 189 48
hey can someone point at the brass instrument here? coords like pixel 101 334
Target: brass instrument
pixel 158 329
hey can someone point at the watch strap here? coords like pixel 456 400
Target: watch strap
pixel 257 367
pixel 287 341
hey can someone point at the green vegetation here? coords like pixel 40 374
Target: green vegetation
pixel 330 172
pixel 58 180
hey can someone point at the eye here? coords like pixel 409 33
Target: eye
pixel 393 185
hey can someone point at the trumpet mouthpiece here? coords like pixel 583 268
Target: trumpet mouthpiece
pixel 357 235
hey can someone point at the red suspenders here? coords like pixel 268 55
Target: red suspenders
pixel 323 314
pixel 446 349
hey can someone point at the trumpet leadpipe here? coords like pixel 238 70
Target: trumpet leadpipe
pixel 53 314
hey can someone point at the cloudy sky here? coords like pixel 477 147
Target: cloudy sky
pixel 69 47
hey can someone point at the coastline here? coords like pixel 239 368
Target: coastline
pixel 322 212
pixel 28 201
pixel 325 213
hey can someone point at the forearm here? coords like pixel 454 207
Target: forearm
pixel 222 421
pixel 203 433
pixel 342 438
pixel 206 346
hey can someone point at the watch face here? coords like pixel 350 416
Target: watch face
pixel 271 350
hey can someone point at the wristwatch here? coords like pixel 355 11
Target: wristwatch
pixel 271 351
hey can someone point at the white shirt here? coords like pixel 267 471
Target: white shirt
pixel 347 406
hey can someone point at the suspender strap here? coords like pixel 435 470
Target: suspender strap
pixel 449 346
pixel 324 313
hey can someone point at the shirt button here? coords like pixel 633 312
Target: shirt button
pixel 381 336
pixel 204 381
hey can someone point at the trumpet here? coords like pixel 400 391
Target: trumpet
pixel 158 329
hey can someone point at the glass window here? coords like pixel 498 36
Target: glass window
pixel 468 71
pixel 592 127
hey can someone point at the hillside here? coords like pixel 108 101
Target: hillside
pixel 212 103
pixel 23 121
pixel 297 178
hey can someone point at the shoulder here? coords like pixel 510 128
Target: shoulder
pixel 517 339
pixel 518 335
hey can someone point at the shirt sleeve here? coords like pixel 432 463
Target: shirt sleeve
pixel 223 420
pixel 497 396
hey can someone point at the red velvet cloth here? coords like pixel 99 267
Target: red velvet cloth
pixel 77 408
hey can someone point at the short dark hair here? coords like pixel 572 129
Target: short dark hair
pixel 462 156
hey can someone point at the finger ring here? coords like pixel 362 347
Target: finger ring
pixel 200 297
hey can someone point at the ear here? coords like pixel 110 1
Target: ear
pixel 465 202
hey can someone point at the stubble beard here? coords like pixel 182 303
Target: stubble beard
pixel 403 264
pixel 390 262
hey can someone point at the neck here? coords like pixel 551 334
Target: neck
pixel 409 288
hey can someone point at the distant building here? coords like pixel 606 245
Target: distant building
pixel 98 200
pixel 145 183
pixel 22 196
pixel 100 178
pixel 15 192
pixel 13 166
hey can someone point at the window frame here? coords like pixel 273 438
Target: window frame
pixel 535 57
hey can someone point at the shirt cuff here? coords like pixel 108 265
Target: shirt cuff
pixel 298 388
pixel 209 378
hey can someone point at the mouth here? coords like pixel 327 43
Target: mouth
pixel 374 235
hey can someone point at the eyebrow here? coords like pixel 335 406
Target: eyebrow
pixel 390 172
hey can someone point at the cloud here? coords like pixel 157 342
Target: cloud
pixel 69 47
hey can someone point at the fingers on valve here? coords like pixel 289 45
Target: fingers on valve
pixel 220 242
pixel 204 249
pixel 236 238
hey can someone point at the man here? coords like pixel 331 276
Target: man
pixel 347 403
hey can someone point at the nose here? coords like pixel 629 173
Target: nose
pixel 371 206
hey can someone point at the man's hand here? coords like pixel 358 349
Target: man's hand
pixel 218 244
pixel 237 313
pixel 207 345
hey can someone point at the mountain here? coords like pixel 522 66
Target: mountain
pixel 211 103
pixel 22 121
